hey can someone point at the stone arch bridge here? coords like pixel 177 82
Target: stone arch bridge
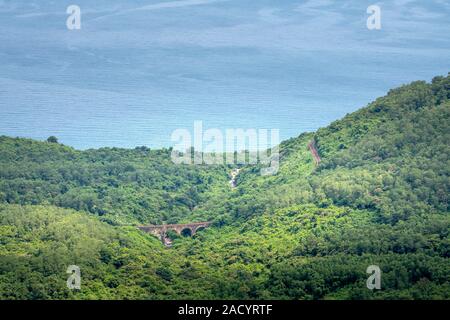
pixel 161 230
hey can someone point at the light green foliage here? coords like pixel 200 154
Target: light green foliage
pixel 379 197
pixel 122 186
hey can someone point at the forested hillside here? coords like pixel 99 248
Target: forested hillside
pixel 121 186
pixel 380 196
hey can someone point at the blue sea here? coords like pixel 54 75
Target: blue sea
pixel 138 70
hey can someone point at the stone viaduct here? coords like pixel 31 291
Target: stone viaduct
pixel 181 229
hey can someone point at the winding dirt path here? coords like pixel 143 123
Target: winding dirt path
pixel 314 152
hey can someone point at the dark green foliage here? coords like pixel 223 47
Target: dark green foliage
pixel 121 186
pixel 52 139
pixel 379 197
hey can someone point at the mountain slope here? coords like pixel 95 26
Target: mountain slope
pixel 379 197
pixel 122 186
pixel 386 157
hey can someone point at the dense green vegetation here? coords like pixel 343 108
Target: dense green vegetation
pixel 121 186
pixel 379 197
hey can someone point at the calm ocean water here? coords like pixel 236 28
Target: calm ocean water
pixel 87 118
pixel 130 78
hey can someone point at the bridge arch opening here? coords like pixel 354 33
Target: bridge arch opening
pixel 186 232
pixel 199 229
